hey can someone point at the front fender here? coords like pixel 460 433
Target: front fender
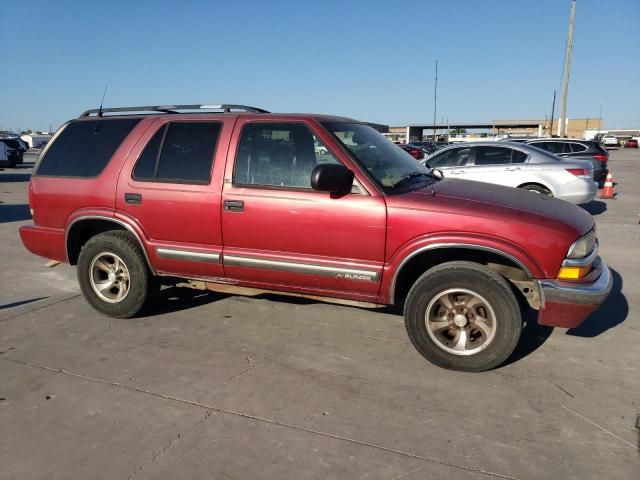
pixel 500 246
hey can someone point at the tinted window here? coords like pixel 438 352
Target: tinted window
pixel 279 155
pixel 553 147
pixel 456 157
pixel 146 167
pixel 577 147
pixel 518 157
pixel 492 155
pixel 186 151
pixel 85 147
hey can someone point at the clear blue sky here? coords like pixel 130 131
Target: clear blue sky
pixel 371 60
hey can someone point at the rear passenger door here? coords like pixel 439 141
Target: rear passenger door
pixel 170 186
pixel 279 233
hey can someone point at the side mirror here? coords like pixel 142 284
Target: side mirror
pixel 333 178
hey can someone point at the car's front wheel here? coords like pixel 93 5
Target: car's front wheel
pixel 114 276
pixel 463 316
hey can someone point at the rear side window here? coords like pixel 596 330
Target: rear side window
pixel 85 147
pixel 553 147
pixel 577 147
pixel 456 157
pixel 180 152
pixel 492 156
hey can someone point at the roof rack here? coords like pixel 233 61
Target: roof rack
pixel 225 108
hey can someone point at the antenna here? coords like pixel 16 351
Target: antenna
pixel 102 102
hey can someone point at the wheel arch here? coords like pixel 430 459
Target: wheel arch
pixel 81 229
pixel 538 183
pixel 422 259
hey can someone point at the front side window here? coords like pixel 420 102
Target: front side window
pixel 85 147
pixel 180 152
pixel 278 155
pixel 387 163
pixel 456 157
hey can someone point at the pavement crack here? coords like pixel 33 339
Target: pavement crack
pixel 252 364
pixel 256 418
pixel 600 427
pixel 402 475
pixel 179 436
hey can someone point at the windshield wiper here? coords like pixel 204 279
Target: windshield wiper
pixel 410 177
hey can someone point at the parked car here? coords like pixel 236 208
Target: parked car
pixel 520 166
pixel 609 141
pixel 575 149
pixel 428 147
pixel 14 153
pixel 416 152
pixel 631 143
pixel 4 154
pixel 125 195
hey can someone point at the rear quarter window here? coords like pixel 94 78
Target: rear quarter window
pixel 84 148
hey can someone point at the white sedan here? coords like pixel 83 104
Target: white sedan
pixel 609 141
pixel 517 165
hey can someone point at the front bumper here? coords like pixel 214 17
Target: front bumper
pixel 568 304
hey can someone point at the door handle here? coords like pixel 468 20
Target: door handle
pixel 133 198
pixel 512 169
pixel 456 172
pixel 233 206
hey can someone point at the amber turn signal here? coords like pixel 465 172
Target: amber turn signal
pixel 573 273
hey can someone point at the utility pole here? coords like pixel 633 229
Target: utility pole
pixel 600 117
pixel 435 101
pixel 553 111
pixel 567 69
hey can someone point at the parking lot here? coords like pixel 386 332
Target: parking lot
pixel 233 387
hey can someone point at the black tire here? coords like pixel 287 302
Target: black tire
pixel 485 284
pixel 143 286
pixel 537 189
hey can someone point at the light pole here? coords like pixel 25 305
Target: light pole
pixel 567 71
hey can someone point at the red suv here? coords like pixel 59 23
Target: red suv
pixel 236 199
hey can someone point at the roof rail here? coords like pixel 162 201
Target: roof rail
pixel 225 108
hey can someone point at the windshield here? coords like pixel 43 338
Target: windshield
pixel 387 163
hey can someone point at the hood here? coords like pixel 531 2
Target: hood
pixel 511 199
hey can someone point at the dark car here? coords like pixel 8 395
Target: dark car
pixel 17 149
pixel 631 143
pixel 577 150
pixel 428 147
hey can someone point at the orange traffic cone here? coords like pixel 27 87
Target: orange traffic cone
pixel 607 191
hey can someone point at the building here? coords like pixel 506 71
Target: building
pixel 493 129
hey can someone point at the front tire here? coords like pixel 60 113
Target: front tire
pixel 463 316
pixel 114 276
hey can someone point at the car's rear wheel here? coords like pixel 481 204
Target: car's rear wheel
pixel 537 189
pixel 463 316
pixel 114 276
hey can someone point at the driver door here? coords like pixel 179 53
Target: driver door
pixel 279 233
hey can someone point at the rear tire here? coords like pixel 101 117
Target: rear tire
pixel 463 316
pixel 114 275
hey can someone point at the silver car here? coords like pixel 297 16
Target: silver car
pixel 517 165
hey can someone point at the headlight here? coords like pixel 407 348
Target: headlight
pixel 583 246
